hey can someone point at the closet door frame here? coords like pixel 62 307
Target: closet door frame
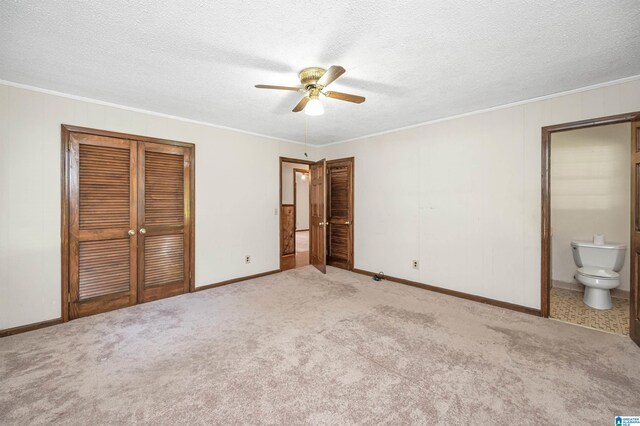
pixel 65 163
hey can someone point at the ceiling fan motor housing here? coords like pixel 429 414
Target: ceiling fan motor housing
pixel 310 79
pixel 310 76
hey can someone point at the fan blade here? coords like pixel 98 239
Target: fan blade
pixel 266 86
pixel 331 75
pixel 345 97
pixel 301 104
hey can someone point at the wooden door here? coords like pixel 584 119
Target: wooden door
pixel 102 221
pixel 340 213
pixel 164 217
pixel 634 306
pixel 288 243
pixel 318 215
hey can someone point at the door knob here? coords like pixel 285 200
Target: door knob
pixel 143 231
pixel 131 232
pixel 348 222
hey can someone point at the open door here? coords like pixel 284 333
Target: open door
pixel 340 213
pixel 318 215
pixel 634 306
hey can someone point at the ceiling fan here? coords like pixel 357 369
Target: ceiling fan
pixel 313 81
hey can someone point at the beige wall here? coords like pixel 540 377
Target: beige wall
pixel 236 195
pixel 462 195
pixel 589 192
pixel 302 201
pixel 287 180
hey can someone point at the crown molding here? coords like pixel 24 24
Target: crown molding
pixel 384 132
pixel 140 110
pixel 495 108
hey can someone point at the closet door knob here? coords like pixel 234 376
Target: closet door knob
pixel 131 232
pixel 143 231
pixel 348 222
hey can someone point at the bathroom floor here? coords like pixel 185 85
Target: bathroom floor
pixel 567 305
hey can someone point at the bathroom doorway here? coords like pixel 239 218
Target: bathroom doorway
pixel 294 213
pixel 587 243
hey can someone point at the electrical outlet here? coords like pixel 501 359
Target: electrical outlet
pixel 247 259
pixel 415 264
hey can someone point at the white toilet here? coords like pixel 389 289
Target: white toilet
pixel 598 266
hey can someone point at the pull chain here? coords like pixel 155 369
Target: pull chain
pixel 306 126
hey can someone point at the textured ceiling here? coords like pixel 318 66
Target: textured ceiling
pixel 415 61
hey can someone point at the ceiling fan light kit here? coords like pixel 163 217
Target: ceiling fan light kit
pixel 313 81
pixel 314 107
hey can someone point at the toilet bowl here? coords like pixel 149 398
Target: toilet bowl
pixel 598 266
pixel 597 285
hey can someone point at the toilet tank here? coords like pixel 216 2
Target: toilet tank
pixel 608 256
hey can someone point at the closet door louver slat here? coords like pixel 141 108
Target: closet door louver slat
pixel 127 220
pixel 164 213
pixel 102 183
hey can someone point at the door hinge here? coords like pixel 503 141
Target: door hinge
pixel 68 297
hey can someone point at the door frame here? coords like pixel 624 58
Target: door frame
pixel 294 161
pixel 547 131
pixel 66 130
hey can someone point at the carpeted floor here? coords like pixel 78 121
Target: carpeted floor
pixel 299 347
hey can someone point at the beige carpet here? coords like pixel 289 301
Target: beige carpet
pixel 300 347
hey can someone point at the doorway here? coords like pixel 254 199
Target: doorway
pixel 294 213
pixel 577 183
pixel 316 213
pixel 589 211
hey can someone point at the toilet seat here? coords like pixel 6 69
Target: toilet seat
pixel 597 283
pixel 595 272
pixel 592 276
